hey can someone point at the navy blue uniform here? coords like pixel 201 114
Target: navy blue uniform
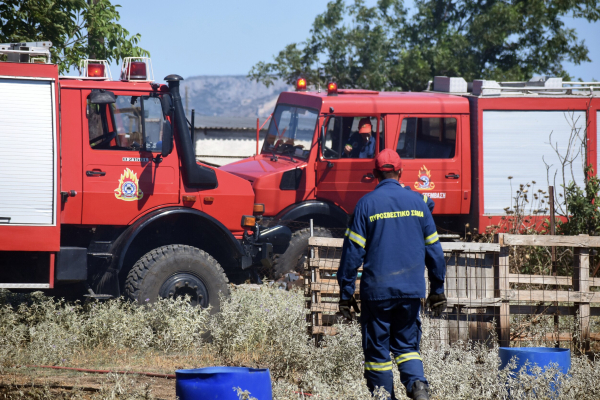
pixel 394 235
pixel 360 149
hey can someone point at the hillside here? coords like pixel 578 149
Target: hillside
pixel 232 96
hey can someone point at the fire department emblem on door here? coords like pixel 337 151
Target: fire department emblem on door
pixel 128 189
pixel 424 182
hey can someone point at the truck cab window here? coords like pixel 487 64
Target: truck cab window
pixel 132 123
pixel 427 138
pixel 351 137
pixel 291 131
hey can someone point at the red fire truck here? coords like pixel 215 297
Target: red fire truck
pixel 459 143
pixel 99 185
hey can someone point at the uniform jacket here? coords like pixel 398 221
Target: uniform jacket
pixel 393 233
pixel 361 149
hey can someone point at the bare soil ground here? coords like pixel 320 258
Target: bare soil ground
pixel 37 383
pixel 42 383
pixel 28 382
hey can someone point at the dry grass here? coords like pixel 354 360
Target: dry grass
pixel 262 328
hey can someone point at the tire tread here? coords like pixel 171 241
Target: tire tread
pixel 282 262
pixel 142 267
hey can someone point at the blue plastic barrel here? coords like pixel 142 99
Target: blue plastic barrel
pixel 218 383
pixel 542 356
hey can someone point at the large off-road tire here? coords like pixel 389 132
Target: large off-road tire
pixel 177 270
pixel 294 257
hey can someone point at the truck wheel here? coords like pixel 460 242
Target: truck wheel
pixel 177 270
pixel 294 257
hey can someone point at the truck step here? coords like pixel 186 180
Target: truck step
pixel 98 296
pixel 91 295
pixel 24 286
pixel 101 255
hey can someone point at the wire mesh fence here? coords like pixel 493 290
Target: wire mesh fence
pixel 488 298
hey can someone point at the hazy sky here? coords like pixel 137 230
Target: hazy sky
pixel 227 37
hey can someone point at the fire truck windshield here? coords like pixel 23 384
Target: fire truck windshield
pixel 291 131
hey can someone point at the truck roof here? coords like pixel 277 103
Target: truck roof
pixel 68 82
pixel 372 102
pixel 28 70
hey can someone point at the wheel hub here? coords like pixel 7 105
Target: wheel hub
pixel 183 284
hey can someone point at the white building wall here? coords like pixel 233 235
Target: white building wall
pixel 222 147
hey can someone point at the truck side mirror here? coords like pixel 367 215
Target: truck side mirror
pixel 322 137
pixel 167 105
pixel 101 96
pixel 167 139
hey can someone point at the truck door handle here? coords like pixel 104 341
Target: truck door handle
pixel 452 176
pixel 369 176
pixel 95 173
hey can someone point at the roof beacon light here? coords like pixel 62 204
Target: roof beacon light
pixel 301 85
pixel 94 69
pixel 137 69
pixel 332 89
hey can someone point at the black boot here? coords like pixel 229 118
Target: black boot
pixel 419 391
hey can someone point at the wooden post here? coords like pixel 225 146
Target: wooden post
pixel 553 259
pixel 581 283
pixel 501 290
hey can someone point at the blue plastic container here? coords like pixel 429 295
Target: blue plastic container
pixel 542 356
pixel 218 383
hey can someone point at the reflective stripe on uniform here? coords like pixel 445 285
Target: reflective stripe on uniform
pixel 407 357
pixel 356 238
pixel 373 366
pixel 425 198
pixel 432 238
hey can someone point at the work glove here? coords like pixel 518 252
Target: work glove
pixel 345 307
pixel 436 303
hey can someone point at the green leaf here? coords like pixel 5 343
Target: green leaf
pixel 380 48
pixel 77 30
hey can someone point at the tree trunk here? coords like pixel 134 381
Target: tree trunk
pixel 95 42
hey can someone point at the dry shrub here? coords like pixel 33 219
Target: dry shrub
pixel 266 328
pixel 36 329
pixel 266 325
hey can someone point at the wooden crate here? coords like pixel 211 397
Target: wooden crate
pixel 469 288
pixel 321 287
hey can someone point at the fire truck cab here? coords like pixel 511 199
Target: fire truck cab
pixel 459 144
pixel 100 186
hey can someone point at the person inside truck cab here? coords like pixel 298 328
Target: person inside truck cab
pixel 361 144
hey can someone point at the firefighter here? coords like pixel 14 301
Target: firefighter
pixel 393 234
pixel 361 144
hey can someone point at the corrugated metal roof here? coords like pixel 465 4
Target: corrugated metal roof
pixel 227 123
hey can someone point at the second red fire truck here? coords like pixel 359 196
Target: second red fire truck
pixel 466 146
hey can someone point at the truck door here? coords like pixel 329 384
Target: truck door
pixel 120 180
pixel 431 159
pixel 346 160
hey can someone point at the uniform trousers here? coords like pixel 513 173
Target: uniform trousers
pixel 391 326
